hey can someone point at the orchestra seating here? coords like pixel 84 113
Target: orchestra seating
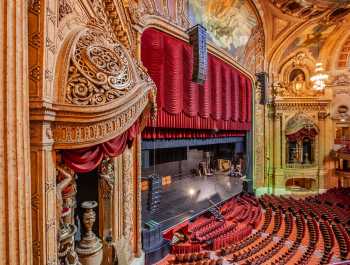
pixel 271 230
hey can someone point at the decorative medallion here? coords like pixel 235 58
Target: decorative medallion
pixel 99 70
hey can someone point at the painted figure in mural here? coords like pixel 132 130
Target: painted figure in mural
pixel 298 83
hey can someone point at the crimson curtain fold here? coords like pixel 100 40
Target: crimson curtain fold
pixel 222 103
pixel 87 159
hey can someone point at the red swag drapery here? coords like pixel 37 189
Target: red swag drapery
pixel 87 159
pixel 311 133
pixel 223 102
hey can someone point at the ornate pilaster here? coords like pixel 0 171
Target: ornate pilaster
pixel 42 23
pixel 117 209
pixel 128 221
pixel 259 138
pixel 15 208
pixel 43 159
pixel 138 197
pixel 270 144
pixel 277 152
pixel 322 148
pixel 106 190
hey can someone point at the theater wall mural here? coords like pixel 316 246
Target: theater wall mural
pixel 230 24
pixel 312 39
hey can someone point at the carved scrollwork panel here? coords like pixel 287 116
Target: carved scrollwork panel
pixel 100 70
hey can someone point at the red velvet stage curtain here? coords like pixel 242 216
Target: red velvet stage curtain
pixel 223 102
pixel 87 159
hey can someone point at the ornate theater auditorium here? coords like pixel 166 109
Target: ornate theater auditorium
pixel 175 132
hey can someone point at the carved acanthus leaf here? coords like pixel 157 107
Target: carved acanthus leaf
pixel 64 9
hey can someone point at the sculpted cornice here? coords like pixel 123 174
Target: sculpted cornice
pixel 301 105
pixel 76 131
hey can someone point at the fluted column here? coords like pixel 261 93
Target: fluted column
pixel 15 206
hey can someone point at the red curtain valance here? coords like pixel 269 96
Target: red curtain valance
pixel 87 159
pixel 223 102
pixel 148 133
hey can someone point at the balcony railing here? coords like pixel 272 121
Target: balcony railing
pixel 297 165
pixel 343 141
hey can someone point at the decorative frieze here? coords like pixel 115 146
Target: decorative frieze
pixel 74 134
pixel 301 106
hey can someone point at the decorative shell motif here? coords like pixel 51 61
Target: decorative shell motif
pixel 99 70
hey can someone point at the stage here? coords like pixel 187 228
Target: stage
pixel 189 196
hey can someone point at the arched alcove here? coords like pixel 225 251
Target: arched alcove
pixel 300 132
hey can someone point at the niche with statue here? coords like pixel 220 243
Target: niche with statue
pixel 84 212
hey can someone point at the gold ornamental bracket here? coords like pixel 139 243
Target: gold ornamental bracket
pixel 100 90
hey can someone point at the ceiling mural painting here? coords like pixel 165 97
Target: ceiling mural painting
pixel 230 24
pixel 311 39
pixel 309 9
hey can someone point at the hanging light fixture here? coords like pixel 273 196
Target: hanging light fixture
pixel 319 78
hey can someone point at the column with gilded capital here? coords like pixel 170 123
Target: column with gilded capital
pixel 15 206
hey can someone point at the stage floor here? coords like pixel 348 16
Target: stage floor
pixel 189 196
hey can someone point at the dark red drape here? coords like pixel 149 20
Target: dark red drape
pixel 301 134
pixel 87 159
pixel 223 102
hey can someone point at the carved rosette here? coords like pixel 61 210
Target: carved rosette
pixel 99 71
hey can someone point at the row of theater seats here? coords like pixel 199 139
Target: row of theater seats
pixel 314 230
pixel 186 248
pixel 261 246
pixel 202 232
pixel 222 231
pixel 230 238
pixel 306 230
pixel 190 257
pixel 333 210
pixel 194 259
pixel 213 233
pixel 199 224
